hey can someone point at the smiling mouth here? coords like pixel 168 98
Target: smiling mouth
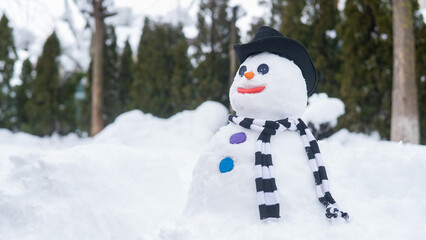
pixel 250 90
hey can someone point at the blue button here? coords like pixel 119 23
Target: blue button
pixel 226 165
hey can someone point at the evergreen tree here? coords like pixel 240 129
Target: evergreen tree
pixel 142 86
pixel 154 70
pixel 111 102
pixel 182 91
pixel 86 103
pixel 291 20
pixel 276 13
pixel 125 76
pixel 420 37
pixel 43 107
pixel 23 95
pixel 313 23
pixel 212 56
pixel 323 45
pixel 7 61
pixel 67 110
pixel 366 73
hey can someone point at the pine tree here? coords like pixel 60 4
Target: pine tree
pixel 43 107
pixel 125 77
pixel 67 121
pixel 23 95
pixel 420 37
pixel 291 20
pixel 366 73
pixel 7 61
pixel 182 90
pixel 276 13
pixel 323 45
pixel 153 73
pixel 142 86
pixel 212 56
pixel 313 23
pixel 111 102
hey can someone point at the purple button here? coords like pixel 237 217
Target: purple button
pixel 238 138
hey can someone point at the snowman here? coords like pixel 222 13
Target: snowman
pixel 265 162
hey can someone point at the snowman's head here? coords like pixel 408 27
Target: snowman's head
pixel 268 86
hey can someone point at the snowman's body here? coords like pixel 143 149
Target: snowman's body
pixel 234 192
pixel 275 93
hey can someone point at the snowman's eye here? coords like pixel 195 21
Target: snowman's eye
pixel 243 69
pixel 263 69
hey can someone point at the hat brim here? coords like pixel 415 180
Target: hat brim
pixel 285 47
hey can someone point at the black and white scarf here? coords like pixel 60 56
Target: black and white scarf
pixel 267 193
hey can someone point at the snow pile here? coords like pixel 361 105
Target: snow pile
pixel 131 182
pixel 379 183
pixel 185 129
pixel 322 109
pixel 121 185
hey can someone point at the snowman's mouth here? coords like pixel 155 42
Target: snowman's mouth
pixel 250 90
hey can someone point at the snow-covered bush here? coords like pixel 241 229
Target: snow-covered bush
pixel 322 114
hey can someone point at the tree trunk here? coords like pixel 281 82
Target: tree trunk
pixel 231 47
pixel 405 112
pixel 97 122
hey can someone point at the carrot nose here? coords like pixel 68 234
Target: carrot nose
pixel 249 75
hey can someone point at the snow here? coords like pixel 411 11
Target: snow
pixel 123 184
pixel 131 182
pixel 322 109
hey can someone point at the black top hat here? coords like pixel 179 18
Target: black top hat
pixel 270 40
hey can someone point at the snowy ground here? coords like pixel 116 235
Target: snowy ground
pixel 131 182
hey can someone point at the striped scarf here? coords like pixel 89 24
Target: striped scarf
pixel 267 193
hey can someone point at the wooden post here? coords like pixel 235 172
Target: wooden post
pixel 405 111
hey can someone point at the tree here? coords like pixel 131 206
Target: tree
pixel 323 45
pixel 111 82
pixel 99 14
pixel 156 70
pixel 313 23
pixel 23 95
pixel 405 113
pixel 211 51
pixel 7 61
pixel 291 19
pixel 125 76
pixel 66 120
pixel 420 38
pixel 367 66
pixel 43 107
pixel 182 90
pixel 232 56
